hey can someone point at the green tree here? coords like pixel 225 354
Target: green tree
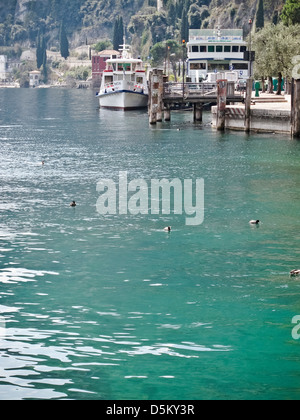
pixel 104 44
pixel 291 12
pixel 45 68
pixel 64 43
pixel 184 32
pixel 276 47
pixel 118 35
pixel 39 55
pixel 41 50
pixel 260 15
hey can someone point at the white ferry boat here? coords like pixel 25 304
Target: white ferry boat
pixel 124 84
pixel 211 52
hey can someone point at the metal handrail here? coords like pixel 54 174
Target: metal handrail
pixel 193 89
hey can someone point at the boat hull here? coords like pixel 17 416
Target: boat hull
pixel 124 100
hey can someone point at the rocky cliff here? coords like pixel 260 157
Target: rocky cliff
pixel 20 20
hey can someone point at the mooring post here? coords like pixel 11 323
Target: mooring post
pixel 160 93
pixel 198 110
pixel 167 112
pixel 221 104
pixel 248 105
pixel 295 111
pixel 155 101
pixel 153 96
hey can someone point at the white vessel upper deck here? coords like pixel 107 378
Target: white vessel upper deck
pixel 212 51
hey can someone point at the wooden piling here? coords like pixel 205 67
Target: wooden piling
pixel 155 102
pixel 295 111
pixel 167 112
pixel 248 105
pixel 221 104
pixel 198 112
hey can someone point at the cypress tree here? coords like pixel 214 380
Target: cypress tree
pixel 39 52
pixel 118 33
pixel 184 26
pixel 121 31
pixel 45 69
pixel 115 36
pixel 260 15
pixel 64 43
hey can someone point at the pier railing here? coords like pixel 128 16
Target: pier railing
pixel 196 91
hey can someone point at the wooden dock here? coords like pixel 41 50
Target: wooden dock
pixel 164 96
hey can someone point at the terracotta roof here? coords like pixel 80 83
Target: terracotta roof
pixel 109 52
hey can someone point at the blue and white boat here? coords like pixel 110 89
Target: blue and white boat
pixel 124 83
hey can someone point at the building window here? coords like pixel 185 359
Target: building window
pixel 219 48
pixel 235 49
pixel 195 48
pixel 211 48
pixel 203 48
pixel 227 48
pixel 243 48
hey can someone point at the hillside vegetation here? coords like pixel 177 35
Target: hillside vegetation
pixel 93 20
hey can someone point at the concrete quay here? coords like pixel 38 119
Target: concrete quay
pixel 269 113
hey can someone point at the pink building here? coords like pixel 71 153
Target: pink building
pixel 99 64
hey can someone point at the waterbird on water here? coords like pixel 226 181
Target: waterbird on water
pixel 295 273
pixel 167 229
pixel 73 204
pixel 254 222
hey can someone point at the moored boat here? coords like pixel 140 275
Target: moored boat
pixel 124 84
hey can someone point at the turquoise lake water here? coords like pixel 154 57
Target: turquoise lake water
pixel 112 307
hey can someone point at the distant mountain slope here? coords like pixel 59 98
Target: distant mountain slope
pixel 20 20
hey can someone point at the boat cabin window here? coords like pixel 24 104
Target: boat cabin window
pixel 212 67
pixel 124 67
pixel 198 66
pixel 139 79
pixel 108 79
pixel 240 66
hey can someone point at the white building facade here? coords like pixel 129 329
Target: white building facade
pixel 34 78
pixel 216 51
pixel 3 68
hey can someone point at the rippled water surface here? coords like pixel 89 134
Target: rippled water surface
pixel 95 307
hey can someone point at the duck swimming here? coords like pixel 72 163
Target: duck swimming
pixel 254 222
pixel 295 273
